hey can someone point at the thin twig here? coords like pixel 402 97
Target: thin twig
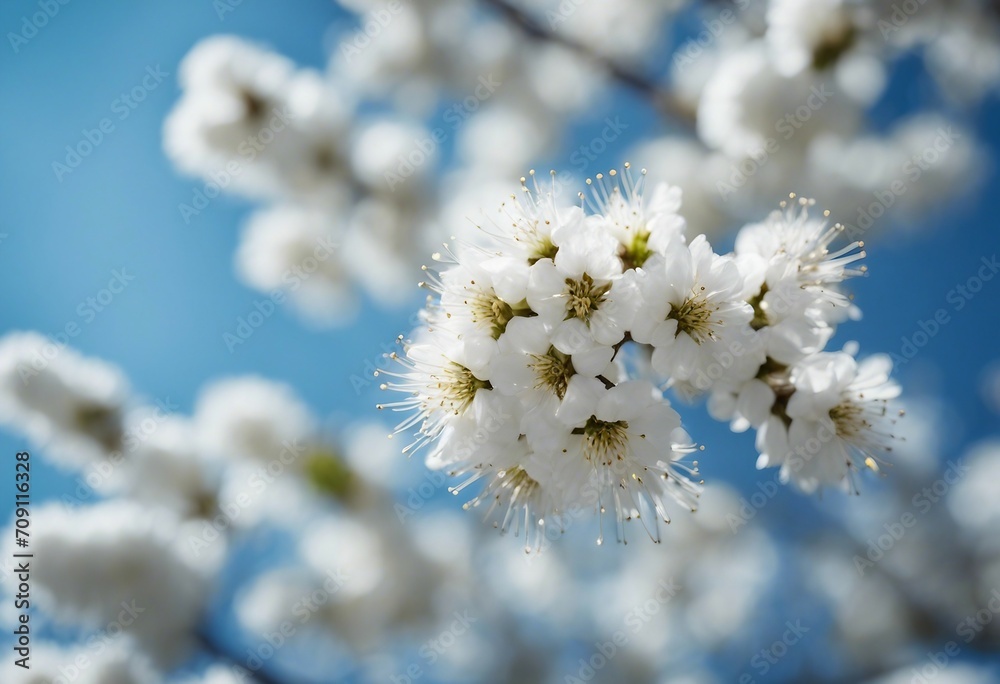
pixel 662 99
pixel 212 646
pixel 607 383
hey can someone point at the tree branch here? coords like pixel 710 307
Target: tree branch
pixel 662 99
pixel 211 645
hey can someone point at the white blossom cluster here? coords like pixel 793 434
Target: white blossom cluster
pixel 365 569
pixel 424 109
pixel 541 363
pixel 112 664
pixel 557 347
pixel 780 95
pixel 72 405
pixel 250 122
pixel 129 556
pixel 81 411
pixel 135 545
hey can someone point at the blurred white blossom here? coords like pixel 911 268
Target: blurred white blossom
pixel 61 400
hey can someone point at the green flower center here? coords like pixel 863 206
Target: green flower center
pixel 637 253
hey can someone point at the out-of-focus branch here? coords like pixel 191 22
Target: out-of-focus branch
pixel 212 646
pixel 661 98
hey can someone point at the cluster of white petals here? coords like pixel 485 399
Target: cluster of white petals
pixel 781 95
pixel 121 567
pixel 114 663
pixel 135 545
pixel 127 559
pixel 250 122
pixel 72 405
pixel 424 108
pixel 541 365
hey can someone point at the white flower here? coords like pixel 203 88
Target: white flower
pixel 310 156
pixel 747 107
pixel 849 169
pixel 479 440
pixel 803 34
pixel 623 31
pixel 250 418
pixel 278 494
pixel 833 37
pixel 69 404
pixel 627 438
pixel 644 223
pixel 530 367
pixel 233 90
pixel 245 108
pixel 108 661
pixel 581 292
pixel 975 501
pixel 964 56
pixel 360 576
pixel 570 462
pixel 562 79
pixel 959 168
pixel 378 66
pixel 528 498
pixel 505 136
pixel 482 296
pixel 236 66
pixel 441 378
pixel 380 151
pixel 218 674
pixel 692 312
pixel 793 279
pixel 168 469
pixel 693 171
pixel 791 245
pixel 744 404
pixel 117 562
pixel 380 244
pixel 531 224
pixel 297 250
pixel 428 47
pixel 837 419
pixel 369 455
